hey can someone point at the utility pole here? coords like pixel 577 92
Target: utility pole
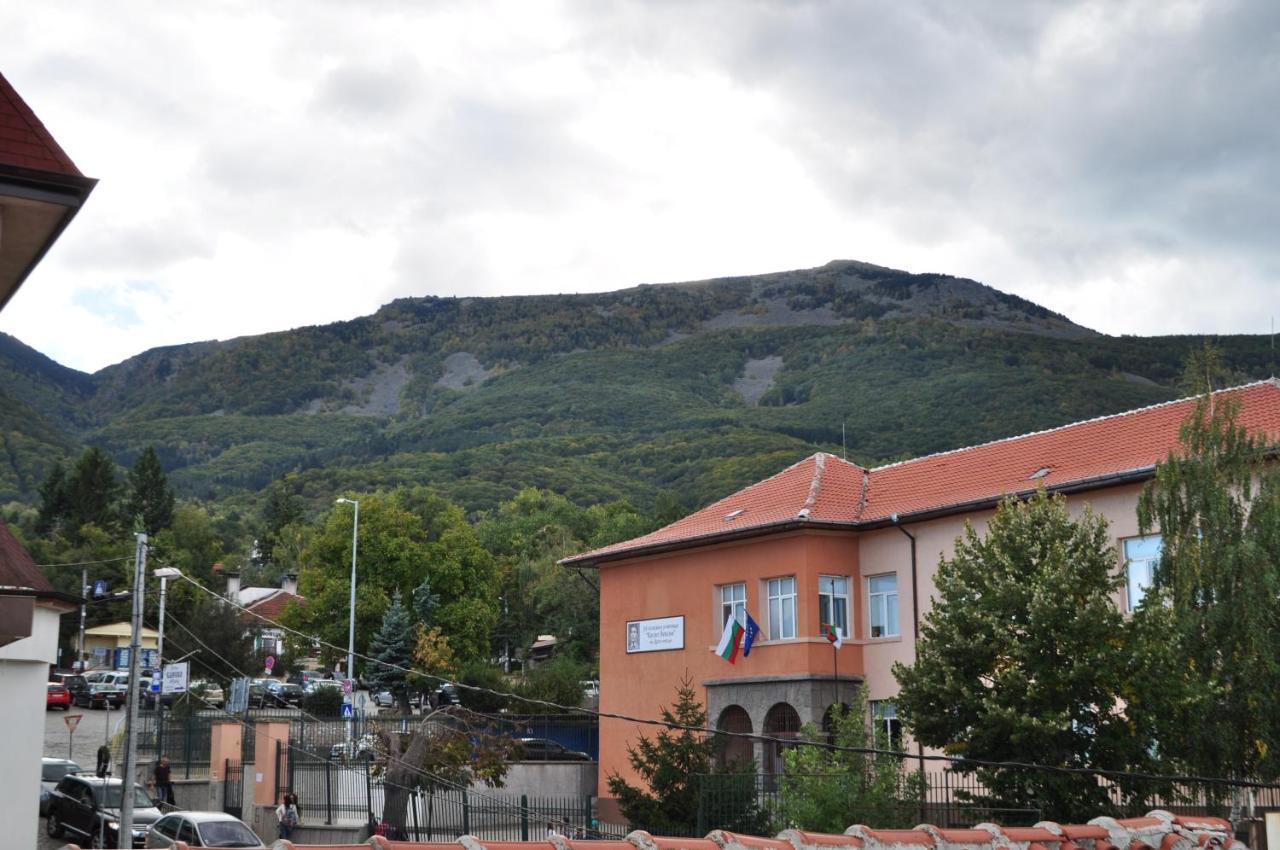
pixel 84 598
pixel 131 724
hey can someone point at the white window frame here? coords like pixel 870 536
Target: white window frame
pixel 775 592
pixel 881 602
pixel 730 603
pixel 884 719
pixel 835 601
pixel 1146 565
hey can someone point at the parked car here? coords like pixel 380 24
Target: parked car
pixel 51 772
pixel 305 677
pixel 202 829
pixel 109 689
pixel 320 684
pixel 57 696
pixel 545 749
pixel 446 694
pixel 210 692
pixel 386 699
pixel 259 696
pixel 73 682
pixel 285 694
pixel 365 748
pixel 89 809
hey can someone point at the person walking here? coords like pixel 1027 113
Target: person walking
pixel 162 777
pixel 287 815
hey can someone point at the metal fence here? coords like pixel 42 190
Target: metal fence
pixel 349 791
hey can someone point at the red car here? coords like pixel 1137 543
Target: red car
pixel 58 697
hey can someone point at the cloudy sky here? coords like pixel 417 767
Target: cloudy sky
pixel 265 166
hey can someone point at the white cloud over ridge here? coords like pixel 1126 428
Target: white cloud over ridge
pixel 264 167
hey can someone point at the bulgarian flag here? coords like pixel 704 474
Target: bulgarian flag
pixel 832 633
pixel 730 641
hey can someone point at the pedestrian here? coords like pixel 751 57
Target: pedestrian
pixel 287 815
pixel 163 781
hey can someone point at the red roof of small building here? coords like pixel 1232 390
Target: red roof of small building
pixel 824 489
pixel 24 141
pixel 17 569
pixel 271 607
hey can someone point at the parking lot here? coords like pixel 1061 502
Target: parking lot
pixel 91 732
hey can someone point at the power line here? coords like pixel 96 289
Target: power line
pixel 87 563
pixel 786 742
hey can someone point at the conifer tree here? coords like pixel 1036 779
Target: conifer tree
pixel 53 500
pixel 91 492
pixel 150 503
pixel 1023 658
pixel 393 644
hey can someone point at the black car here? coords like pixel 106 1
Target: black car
pixel 285 694
pixel 545 749
pixel 89 809
pixel 75 683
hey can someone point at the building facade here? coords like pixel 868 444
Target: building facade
pixel 826 542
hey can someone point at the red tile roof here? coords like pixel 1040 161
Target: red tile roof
pixel 17 569
pixel 271 607
pixel 825 489
pixel 24 141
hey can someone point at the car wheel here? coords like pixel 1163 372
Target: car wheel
pixel 53 826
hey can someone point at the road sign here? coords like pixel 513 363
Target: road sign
pixel 99 588
pixel 155 686
pixel 72 721
pixel 347 711
pixel 174 678
pixel 271 662
pixel 348 686
pixel 239 700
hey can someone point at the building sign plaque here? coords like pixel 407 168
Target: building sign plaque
pixel 655 635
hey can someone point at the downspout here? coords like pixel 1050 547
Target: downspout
pixel 915 635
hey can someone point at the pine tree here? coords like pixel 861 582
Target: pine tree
pixel 1024 658
pixel 53 500
pixel 393 644
pixel 91 491
pixel 150 501
pixel 670 765
pixel 1210 623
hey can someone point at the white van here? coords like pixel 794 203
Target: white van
pixel 109 689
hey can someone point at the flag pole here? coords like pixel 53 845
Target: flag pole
pixel 835 673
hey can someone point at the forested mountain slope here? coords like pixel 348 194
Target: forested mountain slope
pixel 696 388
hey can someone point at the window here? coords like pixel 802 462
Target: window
pixel 882 595
pixel 733 603
pixel 1141 554
pixel 885 726
pixel 833 602
pixel 782 608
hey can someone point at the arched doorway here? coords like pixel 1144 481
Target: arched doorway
pixel 734 750
pixel 781 721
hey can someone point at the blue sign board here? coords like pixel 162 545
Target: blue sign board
pixel 346 709
pixel 99 588
pixel 155 686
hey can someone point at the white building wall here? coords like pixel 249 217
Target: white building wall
pixel 24 673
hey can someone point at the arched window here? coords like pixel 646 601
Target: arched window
pixel 781 721
pixel 734 750
pixel 828 720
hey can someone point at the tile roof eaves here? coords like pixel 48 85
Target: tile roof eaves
pixel 588 559
pixel 1273 381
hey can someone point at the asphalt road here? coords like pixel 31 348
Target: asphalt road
pixel 90 734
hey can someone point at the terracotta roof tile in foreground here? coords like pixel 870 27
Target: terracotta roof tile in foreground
pixel 17 570
pixel 824 489
pixel 24 141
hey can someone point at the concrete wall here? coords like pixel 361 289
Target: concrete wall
pixel 548 779
pixel 24 674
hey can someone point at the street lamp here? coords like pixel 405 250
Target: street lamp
pixel 351 629
pixel 164 574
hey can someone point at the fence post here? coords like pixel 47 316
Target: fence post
pixel 328 794
pixel 586 815
pixel 431 814
pixel 415 795
pixel 280 786
pixel 368 792
pixel 524 817
pixel 466 813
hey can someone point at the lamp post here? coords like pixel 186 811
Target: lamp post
pixel 351 629
pixel 164 574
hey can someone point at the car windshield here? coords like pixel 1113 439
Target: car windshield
pixel 111 797
pixel 227 833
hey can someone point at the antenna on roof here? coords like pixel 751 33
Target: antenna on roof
pixel 844 450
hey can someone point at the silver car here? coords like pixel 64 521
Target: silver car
pixel 52 770
pixel 202 829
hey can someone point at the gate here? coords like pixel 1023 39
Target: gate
pixel 233 789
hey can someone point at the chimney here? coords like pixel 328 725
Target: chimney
pixel 233 585
pixel 289 583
